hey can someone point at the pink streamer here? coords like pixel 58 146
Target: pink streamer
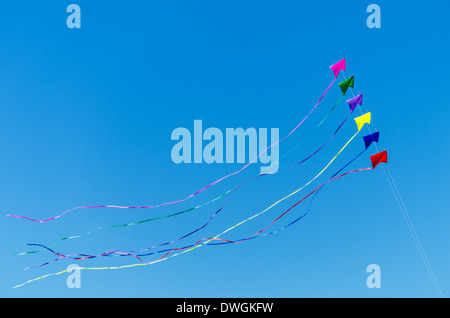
pixel 190 196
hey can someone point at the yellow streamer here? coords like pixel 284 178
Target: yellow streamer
pixel 365 119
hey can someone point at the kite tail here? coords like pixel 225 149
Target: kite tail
pixel 190 196
pixel 203 226
pixel 265 228
pixel 333 177
pixel 289 195
pixel 199 206
pixel 144 221
pixel 190 247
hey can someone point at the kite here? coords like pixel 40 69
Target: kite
pixel 353 102
pixel 378 158
pixel 336 68
pixel 361 120
pixel 346 84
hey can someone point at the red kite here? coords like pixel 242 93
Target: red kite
pixel 378 158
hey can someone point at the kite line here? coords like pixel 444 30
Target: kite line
pixel 405 215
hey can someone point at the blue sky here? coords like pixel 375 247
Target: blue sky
pixel 86 119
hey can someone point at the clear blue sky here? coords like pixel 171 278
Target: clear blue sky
pixel 87 114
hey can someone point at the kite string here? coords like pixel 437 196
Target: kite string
pixel 414 234
pixel 406 217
